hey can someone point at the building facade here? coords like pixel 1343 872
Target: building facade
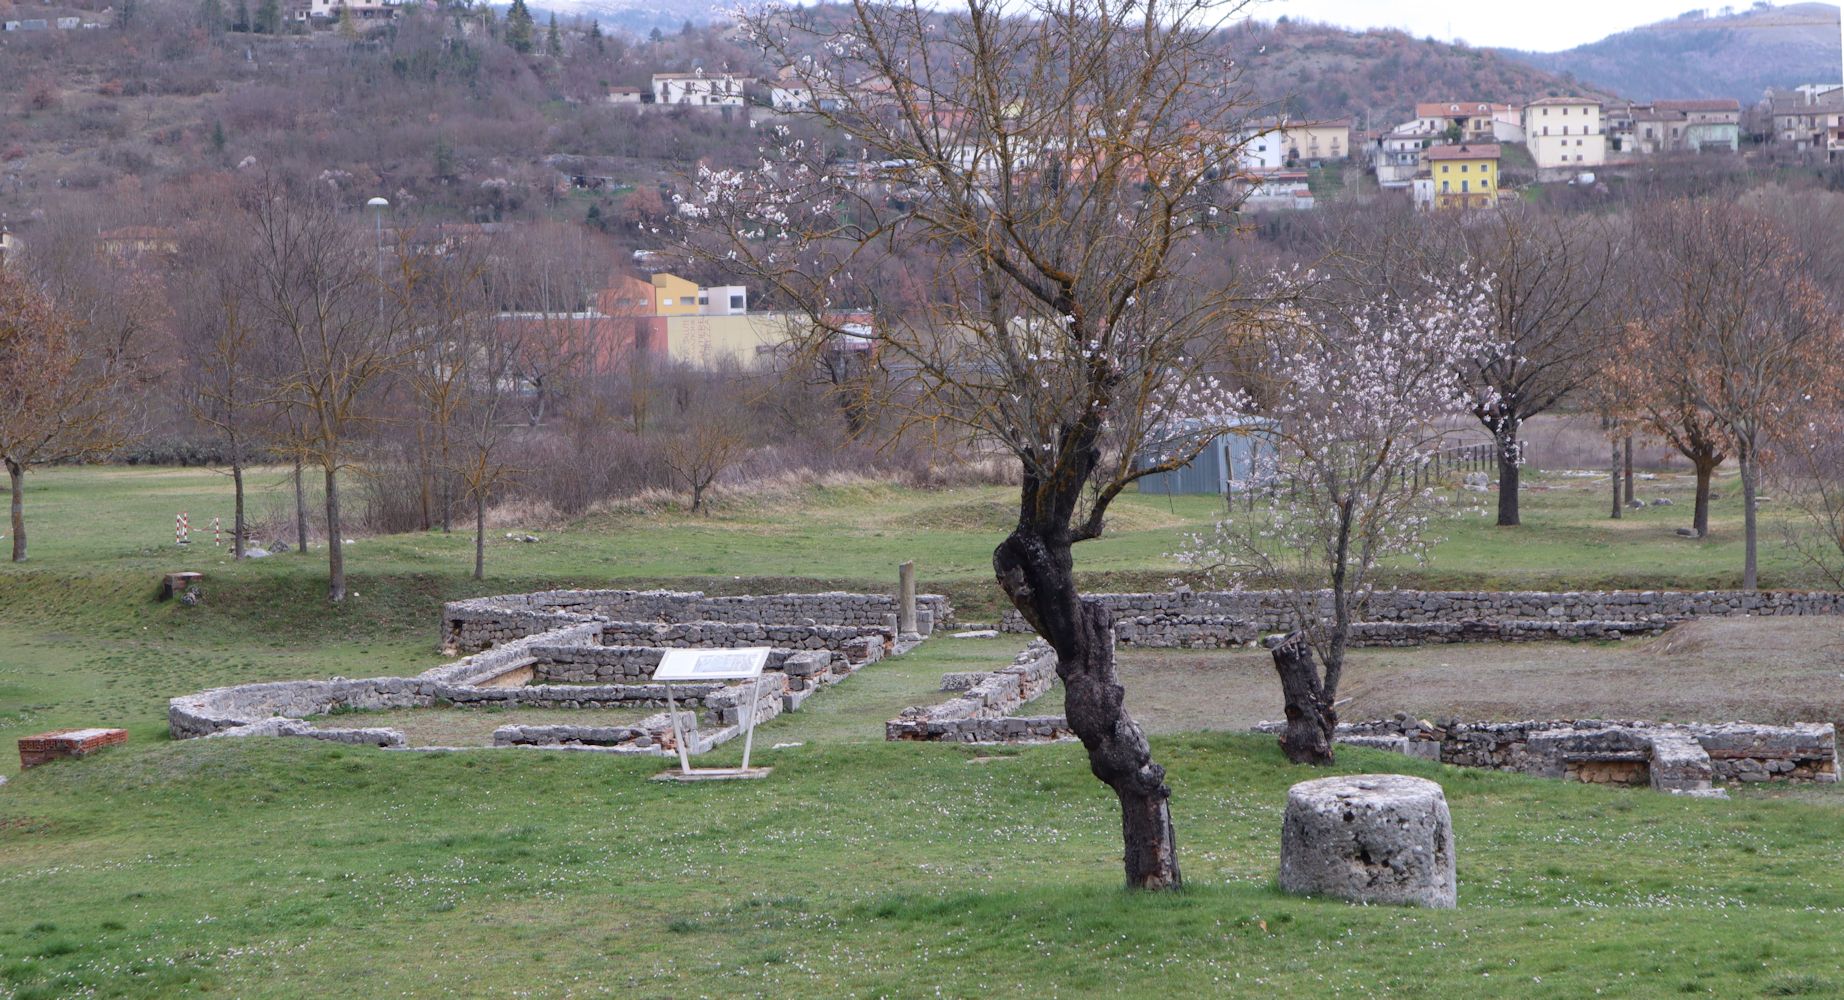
pixel 1564 135
pixel 1465 176
pixel 696 90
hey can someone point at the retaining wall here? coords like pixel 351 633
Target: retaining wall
pixel 1209 619
pixel 479 623
pixel 1681 756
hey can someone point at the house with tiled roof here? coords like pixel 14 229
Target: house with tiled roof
pixel 1465 176
pixel 1564 135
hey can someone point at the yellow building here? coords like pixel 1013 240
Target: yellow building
pixel 1464 176
pixel 675 295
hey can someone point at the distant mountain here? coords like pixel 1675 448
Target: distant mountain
pixel 638 16
pixel 1705 54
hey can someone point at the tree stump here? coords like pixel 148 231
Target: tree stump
pixel 1369 838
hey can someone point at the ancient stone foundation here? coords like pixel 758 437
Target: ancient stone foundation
pixel 558 649
pixel 1216 619
pixel 1369 838
pixel 982 711
pixel 1683 758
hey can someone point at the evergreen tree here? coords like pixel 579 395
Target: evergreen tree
pixel 519 26
pixel 217 136
pixel 242 23
pixel 553 42
pixel 211 16
pixel 347 27
pixel 595 35
pixel 269 17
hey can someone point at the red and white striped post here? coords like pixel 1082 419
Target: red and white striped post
pixel 217 532
pixel 182 530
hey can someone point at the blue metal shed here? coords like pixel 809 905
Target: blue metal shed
pixel 1232 456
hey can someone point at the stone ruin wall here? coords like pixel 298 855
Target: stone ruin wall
pixel 1683 756
pixel 981 713
pixel 543 652
pixel 1214 619
pixel 480 623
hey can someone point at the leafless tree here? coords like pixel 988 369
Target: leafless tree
pixel 713 433
pixel 1553 300
pixel 1059 158
pixel 1733 297
pixel 225 382
pixel 63 388
pixel 320 279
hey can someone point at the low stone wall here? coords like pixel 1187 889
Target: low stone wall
pixel 483 622
pixel 1168 631
pixel 571 666
pixel 1212 619
pixel 858 642
pixel 1669 756
pixel 982 711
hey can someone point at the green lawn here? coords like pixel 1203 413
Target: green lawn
pixel 860 868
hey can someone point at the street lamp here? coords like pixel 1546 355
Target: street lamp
pixel 378 205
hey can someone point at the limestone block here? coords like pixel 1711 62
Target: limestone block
pixel 1394 744
pixel 1369 838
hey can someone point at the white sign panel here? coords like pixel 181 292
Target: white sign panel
pixel 711 664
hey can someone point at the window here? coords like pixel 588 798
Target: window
pixel 1463 168
pixel 1484 184
pixel 736 302
pixel 1445 187
pixel 1463 187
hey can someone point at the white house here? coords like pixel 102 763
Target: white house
pixel 790 96
pixel 1261 148
pixel 1564 135
pixel 698 90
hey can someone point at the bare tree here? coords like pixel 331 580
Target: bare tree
pixel 1659 381
pixel 713 433
pixel 62 388
pixel 1810 473
pixel 1550 295
pixel 225 383
pixel 1752 329
pixel 319 280
pixel 1058 158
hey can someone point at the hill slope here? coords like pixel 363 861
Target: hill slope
pixel 1737 55
pixel 1379 75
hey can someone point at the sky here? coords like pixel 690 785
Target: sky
pixel 1562 24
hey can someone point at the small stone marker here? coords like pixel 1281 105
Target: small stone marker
pixel 60 743
pixel 1369 838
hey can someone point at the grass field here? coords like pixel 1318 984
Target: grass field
pixel 860 868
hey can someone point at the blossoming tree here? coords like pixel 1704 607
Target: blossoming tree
pixel 1354 401
pixel 1055 166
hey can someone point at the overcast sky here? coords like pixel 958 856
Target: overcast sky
pixel 1562 24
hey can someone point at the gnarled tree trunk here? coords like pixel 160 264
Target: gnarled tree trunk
pixel 1311 719
pixel 1036 571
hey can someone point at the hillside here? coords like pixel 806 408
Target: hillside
pixel 1696 55
pixel 144 122
pixel 1378 76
